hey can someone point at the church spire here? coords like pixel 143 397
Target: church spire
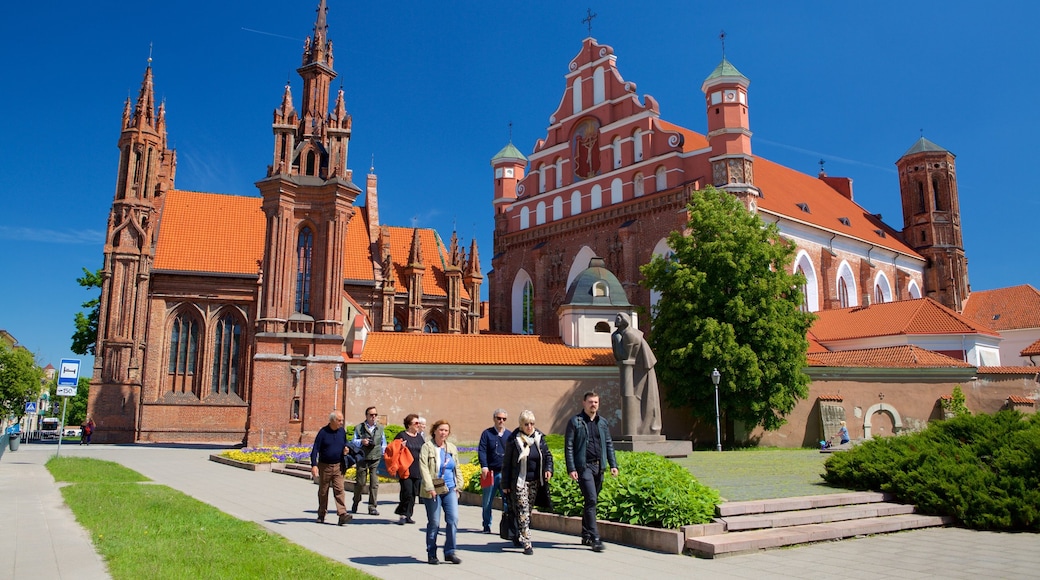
pixel 144 110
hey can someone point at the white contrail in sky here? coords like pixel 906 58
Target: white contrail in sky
pixel 273 34
pixel 825 156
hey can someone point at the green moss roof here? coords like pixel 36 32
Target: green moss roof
pixel 509 152
pixel 725 69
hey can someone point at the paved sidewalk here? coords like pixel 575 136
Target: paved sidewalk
pixel 285 505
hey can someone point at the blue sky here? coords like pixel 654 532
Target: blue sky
pixel 433 86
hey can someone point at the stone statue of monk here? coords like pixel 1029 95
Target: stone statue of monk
pixel 641 406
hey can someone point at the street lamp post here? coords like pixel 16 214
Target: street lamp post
pixel 715 376
pixel 337 371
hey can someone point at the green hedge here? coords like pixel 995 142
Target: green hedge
pixel 982 469
pixel 649 490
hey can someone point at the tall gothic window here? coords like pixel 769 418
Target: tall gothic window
pixel 920 197
pixel 805 290
pixel 227 345
pixel 879 294
pixel 183 354
pixel 304 252
pixel 527 321
pixel 843 294
pixel 431 327
pixel 935 194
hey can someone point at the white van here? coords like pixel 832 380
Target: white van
pixel 50 428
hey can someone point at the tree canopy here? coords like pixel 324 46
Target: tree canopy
pixel 85 337
pixel 19 379
pixel 727 302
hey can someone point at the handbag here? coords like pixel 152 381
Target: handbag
pixel 440 487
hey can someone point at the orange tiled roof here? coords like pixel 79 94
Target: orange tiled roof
pixel 920 316
pixel 209 232
pixel 831 398
pixel 1005 308
pixel 487 349
pixel 692 140
pixel 814 345
pixel 784 188
pixel 434 257
pixel 1009 370
pixel 357 258
pixel 904 356
pixel 1018 400
pixel 1031 350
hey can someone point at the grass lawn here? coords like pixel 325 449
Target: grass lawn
pixel 763 473
pixel 153 531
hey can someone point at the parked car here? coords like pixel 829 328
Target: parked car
pixel 74 432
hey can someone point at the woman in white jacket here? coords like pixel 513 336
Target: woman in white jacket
pixel 439 458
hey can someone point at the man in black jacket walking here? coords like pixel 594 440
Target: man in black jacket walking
pixel 329 446
pixel 588 448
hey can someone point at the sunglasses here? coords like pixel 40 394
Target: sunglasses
pixel 531 423
pixel 500 418
pixel 373 414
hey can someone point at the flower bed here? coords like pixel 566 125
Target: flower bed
pixel 283 454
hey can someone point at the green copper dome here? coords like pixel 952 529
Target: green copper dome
pixel 725 69
pixel 508 152
pixel 597 286
pixel 924 145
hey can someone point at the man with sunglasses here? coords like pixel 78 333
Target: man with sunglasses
pixel 490 453
pixel 370 442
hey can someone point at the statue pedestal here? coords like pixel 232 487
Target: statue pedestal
pixel 654 444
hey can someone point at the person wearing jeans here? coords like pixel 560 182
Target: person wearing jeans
pixel 588 451
pixel 490 452
pixel 440 459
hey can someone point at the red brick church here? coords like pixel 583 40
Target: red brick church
pixel 612 176
pixel 223 315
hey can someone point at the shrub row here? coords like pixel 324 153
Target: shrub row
pixel 982 469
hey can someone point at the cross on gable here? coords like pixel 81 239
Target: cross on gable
pixel 588 19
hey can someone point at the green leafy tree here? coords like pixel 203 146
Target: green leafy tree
pixel 727 302
pixel 957 404
pixel 85 337
pixel 19 379
pixel 76 412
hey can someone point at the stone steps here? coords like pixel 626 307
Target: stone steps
pixel 773 523
pixel 737 542
pixel 294 469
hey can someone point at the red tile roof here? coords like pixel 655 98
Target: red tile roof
pixel 831 398
pixel 484 349
pixel 209 232
pixel 814 345
pixel 784 188
pixel 1031 350
pixel 1017 400
pixel 1009 370
pixel 922 316
pixel 1005 308
pixel 357 259
pixel 905 356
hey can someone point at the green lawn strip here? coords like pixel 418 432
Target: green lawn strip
pixel 761 473
pixel 155 531
pixel 86 470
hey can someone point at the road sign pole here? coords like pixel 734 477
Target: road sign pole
pixel 61 428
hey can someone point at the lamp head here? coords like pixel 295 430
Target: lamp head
pixel 337 371
pixel 715 377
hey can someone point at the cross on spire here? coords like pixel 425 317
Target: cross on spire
pixel 722 39
pixel 510 131
pixel 588 19
pixel 149 54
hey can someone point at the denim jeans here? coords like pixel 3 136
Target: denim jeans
pixel 487 497
pixel 450 504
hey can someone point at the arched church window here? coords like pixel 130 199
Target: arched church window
pixel 431 327
pixel 398 327
pixel 304 254
pixel 576 95
pixel 525 218
pixel 541 178
pixel 557 208
pixel 539 213
pixel 183 354
pixel 617 190
pixel 596 197
pixel 805 290
pixel 615 147
pixel 637 185
pixel 602 326
pixel 935 194
pixel 575 203
pixel 843 294
pixel 310 163
pixel 637 145
pixel 879 295
pixel 598 86
pixel 920 198
pixel 527 303
pixel 600 290
pixel 227 350
pixel 558 171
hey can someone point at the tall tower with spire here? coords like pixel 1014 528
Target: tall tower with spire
pixel 932 220
pixel 729 133
pixel 146 173
pixel 308 201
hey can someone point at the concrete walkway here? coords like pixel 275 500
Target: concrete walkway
pixel 42 539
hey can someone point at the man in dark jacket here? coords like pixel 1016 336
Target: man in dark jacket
pixel 370 443
pixel 329 446
pixel 587 449
pixel 490 452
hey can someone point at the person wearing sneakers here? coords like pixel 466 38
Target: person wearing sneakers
pixel 441 485
pixel 587 449
pixel 370 442
pixel 329 446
